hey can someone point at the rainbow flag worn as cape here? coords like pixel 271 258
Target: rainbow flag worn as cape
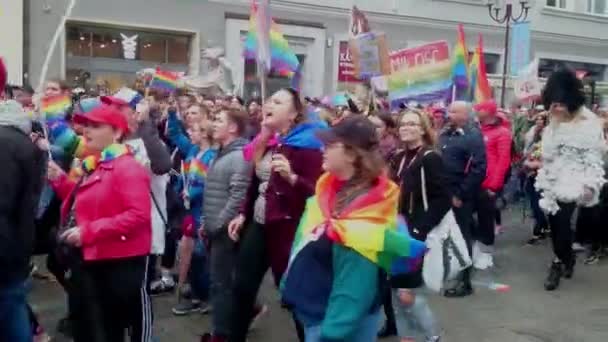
pixel 283 59
pixel 164 80
pixel 368 224
pixel 460 72
pixel 55 107
pixel 479 86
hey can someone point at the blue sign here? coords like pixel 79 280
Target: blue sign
pixel 520 47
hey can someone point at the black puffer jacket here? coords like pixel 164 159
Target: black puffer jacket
pixel 20 184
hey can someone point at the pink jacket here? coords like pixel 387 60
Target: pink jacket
pixel 112 209
pixel 497 138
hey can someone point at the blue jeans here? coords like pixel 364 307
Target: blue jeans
pixel 539 216
pixel 199 272
pixel 14 319
pixel 415 321
pixel 367 331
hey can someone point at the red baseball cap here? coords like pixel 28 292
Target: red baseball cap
pixel 488 106
pixel 104 114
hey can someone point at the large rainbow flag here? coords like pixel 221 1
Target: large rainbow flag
pixel 369 224
pixel 282 59
pixel 479 86
pixel 460 72
pixel 422 83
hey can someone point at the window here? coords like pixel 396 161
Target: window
pixel 596 71
pixel 597 6
pixel 558 3
pixel 127 44
pixel 274 81
pixel 491 60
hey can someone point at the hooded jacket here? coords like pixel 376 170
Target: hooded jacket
pixel 20 180
pixel 497 138
pixel 226 186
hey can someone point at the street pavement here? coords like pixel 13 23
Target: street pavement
pixel 577 311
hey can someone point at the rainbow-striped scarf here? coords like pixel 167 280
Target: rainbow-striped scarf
pixel 90 163
pixel 368 224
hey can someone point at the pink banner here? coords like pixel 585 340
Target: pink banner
pixel 420 55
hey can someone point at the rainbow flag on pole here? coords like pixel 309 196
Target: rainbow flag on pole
pixel 282 59
pixel 55 107
pixel 460 72
pixel 164 80
pixel 479 86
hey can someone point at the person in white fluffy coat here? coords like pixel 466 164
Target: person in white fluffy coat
pixel 572 172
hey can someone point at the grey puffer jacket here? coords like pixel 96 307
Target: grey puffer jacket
pixel 225 188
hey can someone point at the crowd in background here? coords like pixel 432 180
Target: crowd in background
pixel 140 194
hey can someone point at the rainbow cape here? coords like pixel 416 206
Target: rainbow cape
pixel 283 60
pixel 460 72
pixel 164 80
pixel 368 224
pixel 479 86
pixel 55 107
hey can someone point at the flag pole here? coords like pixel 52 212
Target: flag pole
pixel 263 77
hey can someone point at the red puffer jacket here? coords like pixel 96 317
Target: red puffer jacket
pixel 497 138
pixel 112 209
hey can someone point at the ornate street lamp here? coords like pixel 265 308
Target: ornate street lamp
pixel 503 12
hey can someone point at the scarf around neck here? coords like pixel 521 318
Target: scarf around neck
pixel 369 224
pixel 90 163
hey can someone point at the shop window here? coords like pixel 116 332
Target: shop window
pixel 117 43
pixel 178 50
pixel 106 44
pixel 152 48
pixel 78 42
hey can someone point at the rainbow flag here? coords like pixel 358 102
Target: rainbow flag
pixel 368 224
pixel 164 80
pixel 282 59
pixel 196 170
pixel 460 72
pixel 55 107
pixel 479 86
pixel 422 83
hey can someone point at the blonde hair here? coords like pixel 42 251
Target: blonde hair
pixel 429 136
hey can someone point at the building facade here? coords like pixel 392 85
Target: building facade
pixel 111 39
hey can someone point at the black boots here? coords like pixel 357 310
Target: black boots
pixel 557 271
pixel 463 288
pixel 555 274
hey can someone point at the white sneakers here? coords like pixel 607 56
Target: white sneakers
pixel 482 256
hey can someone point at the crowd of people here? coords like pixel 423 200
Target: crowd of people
pixel 144 193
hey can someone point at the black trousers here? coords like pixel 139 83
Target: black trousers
pixel 464 218
pixel 252 264
pixel 561 232
pixel 110 298
pixel 484 230
pixel 222 259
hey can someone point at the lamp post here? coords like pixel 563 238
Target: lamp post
pixel 502 12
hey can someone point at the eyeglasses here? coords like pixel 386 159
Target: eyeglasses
pixel 410 124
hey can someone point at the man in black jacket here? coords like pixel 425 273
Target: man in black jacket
pixel 464 158
pixel 20 183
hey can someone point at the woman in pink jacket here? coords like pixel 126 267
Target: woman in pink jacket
pixel 105 234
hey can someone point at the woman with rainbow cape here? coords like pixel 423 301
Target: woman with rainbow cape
pixel 347 237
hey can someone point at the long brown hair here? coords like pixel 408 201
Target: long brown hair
pixel 262 143
pixel 429 136
pixel 369 165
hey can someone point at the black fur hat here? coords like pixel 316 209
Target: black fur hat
pixel 564 87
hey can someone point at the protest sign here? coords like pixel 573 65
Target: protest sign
pixel 370 55
pixel 527 85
